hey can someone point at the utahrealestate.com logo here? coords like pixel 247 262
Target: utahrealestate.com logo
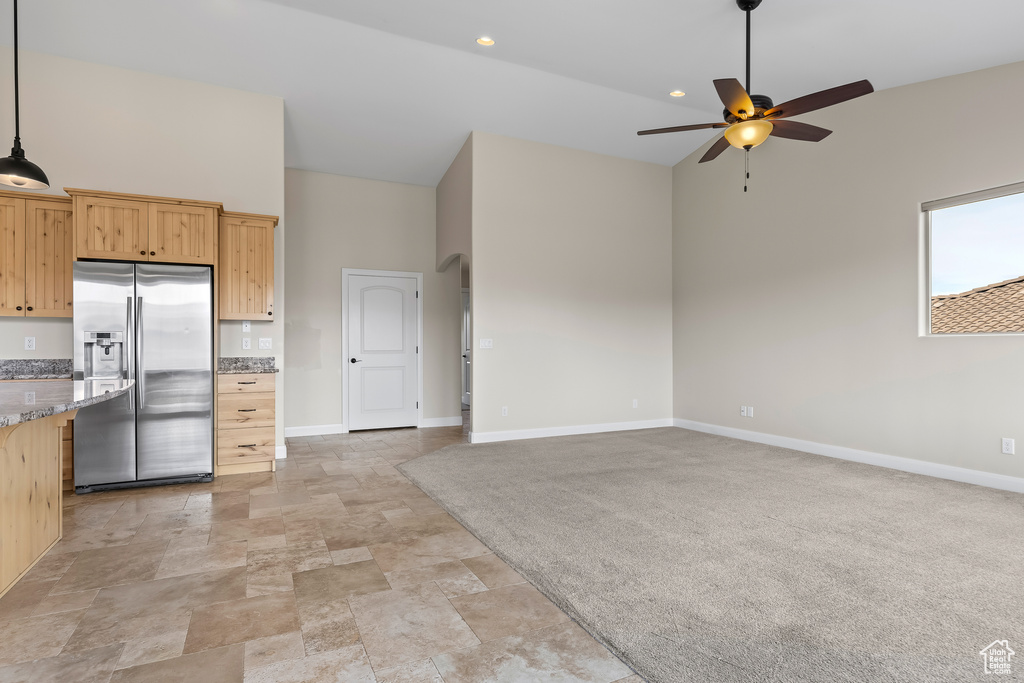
pixel 997 657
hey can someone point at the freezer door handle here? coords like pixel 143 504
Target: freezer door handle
pixel 141 381
pixel 128 360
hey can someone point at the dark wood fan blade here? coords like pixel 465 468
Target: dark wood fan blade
pixel 679 129
pixel 794 130
pixel 820 100
pixel 714 150
pixel 734 97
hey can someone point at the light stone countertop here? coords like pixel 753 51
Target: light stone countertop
pixel 21 401
pixel 244 365
pixel 35 368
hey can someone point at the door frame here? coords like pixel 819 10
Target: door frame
pixel 345 273
pixel 467 344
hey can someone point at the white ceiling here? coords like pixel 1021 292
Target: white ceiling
pixel 390 89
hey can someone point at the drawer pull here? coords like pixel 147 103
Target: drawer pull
pixel 246 445
pixel 247 410
pixel 247 382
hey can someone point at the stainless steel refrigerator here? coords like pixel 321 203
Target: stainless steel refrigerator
pixel 152 323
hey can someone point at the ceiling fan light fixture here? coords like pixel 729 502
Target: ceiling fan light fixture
pixel 749 133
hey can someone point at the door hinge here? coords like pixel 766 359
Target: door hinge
pixel 417 349
pixel 417 404
pixel 417 294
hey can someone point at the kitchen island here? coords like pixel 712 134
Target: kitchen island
pixel 32 414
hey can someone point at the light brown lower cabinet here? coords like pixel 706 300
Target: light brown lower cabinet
pixel 30 494
pixel 67 452
pixel 245 420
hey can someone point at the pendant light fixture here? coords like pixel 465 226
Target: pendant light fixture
pixel 16 170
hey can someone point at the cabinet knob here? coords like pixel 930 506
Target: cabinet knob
pixel 143 252
pixel 18 308
pixel 152 253
pixel 270 313
pixel 30 308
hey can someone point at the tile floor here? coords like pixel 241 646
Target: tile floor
pixel 334 568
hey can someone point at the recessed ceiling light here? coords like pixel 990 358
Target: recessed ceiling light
pixel 677 93
pixel 484 40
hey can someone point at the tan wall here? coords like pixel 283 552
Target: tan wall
pixel 571 278
pixel 802 296
pixel 339 222
pixel 455 209
pixel 104 128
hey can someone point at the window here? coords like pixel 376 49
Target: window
pixel 976 262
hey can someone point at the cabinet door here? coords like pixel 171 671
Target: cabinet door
pixel 111 229
pixel 182 234
pixel 48 258
pixel 12 256
pixel 246 268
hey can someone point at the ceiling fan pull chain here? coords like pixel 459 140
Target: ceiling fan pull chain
pixel 746 167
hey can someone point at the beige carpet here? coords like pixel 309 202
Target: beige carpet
pixel 702 558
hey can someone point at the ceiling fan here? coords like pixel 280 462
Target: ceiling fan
pixel 750 119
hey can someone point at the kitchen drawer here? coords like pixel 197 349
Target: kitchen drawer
pixel 239 410
pixel 244 384
pixel 245 445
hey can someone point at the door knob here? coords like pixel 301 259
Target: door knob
pixel 353 360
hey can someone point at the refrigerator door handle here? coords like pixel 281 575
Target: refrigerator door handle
pixel 128 361
pixel 141 376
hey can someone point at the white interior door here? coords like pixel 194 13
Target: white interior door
pixel 467 349
pixel 383 333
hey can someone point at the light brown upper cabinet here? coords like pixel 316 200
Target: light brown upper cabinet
pixel 141 228
pixel 246 266
pixel 182 234
pixel 35 256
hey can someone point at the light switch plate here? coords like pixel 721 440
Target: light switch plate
pixel 265 343
pixel 486 343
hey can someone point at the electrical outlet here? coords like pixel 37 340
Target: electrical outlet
pixel 750 411
pixel 743 411
pixel 30 343
pixel 504 411
pixel 636 404
pixel 30 398
pixel 1007 446
pixel 486 343
pixel 265 343
pixel 246 343
pixel 246 326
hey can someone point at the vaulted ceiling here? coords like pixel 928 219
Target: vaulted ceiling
pixel 389 89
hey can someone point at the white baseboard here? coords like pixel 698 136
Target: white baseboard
pixel 512 435
pixel 428 422
pixel 931 469
pixel 315 430
pixel 281 452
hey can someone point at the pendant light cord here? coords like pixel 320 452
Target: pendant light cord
pixel 17 113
